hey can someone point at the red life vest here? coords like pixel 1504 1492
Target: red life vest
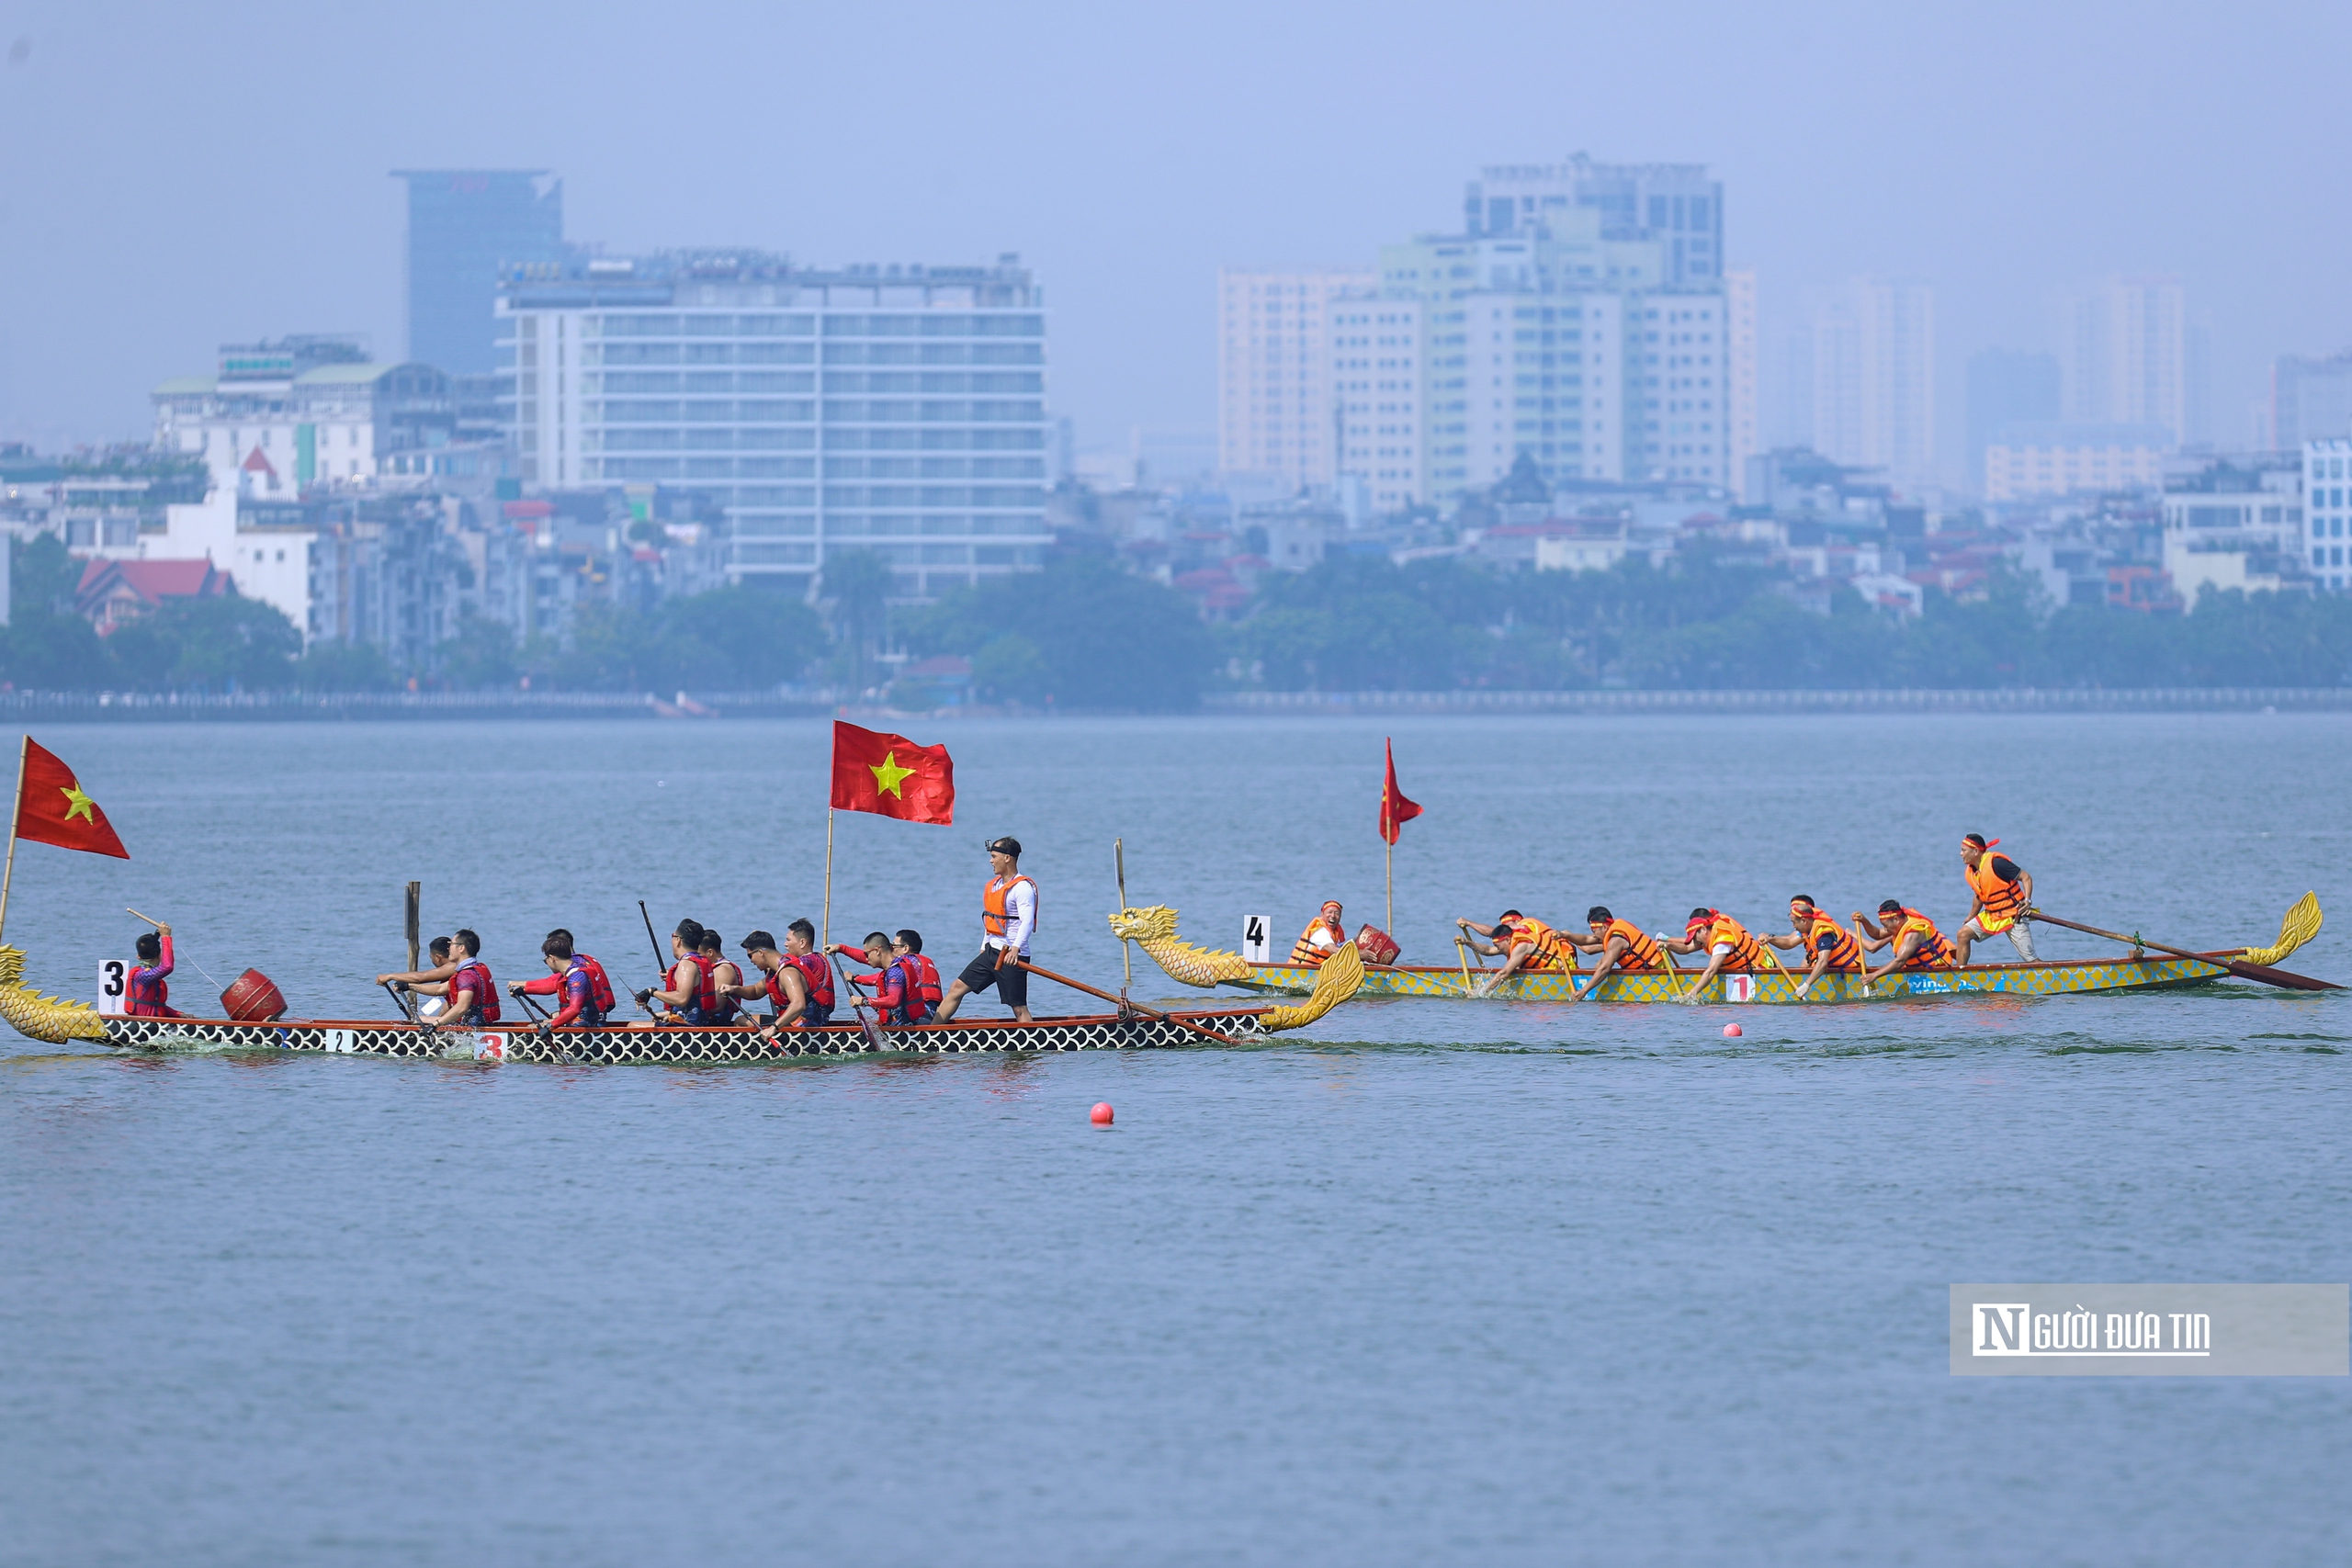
pixel 914 1005
pixel 819 974
pixel 926 977
pixel 599 988
pixel 705 988
pixel 485 990
pixel 150 992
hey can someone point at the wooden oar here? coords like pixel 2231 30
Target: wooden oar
pixel 1139 1007
pixel 857 1005
pixel 407 1013
pixel 2244 971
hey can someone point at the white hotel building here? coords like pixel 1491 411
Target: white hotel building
pixel 2327 505
pixel 1274 407
pixel 897 411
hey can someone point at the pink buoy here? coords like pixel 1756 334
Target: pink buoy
pixel 1732 1031
pixel 1103 1114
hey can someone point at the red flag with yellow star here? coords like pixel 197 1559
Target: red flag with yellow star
pixel 52 809
pixel 891 776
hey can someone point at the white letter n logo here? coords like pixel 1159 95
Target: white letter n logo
pixel 2000 1328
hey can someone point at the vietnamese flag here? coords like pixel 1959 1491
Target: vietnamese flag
pixel 1394 809
pixel 52 809
pixel 891 776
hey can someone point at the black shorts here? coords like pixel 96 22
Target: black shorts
pixel 1012 985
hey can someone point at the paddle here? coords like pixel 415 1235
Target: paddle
pixel 407 1014
pixel 2244 971
pixel 1137 1007
pixel 857 1005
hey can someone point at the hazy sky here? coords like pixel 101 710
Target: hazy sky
pixel 180 176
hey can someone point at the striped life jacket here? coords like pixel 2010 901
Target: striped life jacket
pixel 1935 949
pixel 2003 901
pixel 1308 953
pixel 1747 953
pixel 1819 931
pixel 1641 951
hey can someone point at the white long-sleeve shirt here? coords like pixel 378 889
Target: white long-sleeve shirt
pixel 1020 917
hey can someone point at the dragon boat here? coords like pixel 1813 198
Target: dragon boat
pixel 59 1021
pixel 1153 929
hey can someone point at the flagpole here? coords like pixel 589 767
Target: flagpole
pixel 1388 853
pixel 826 940
pixel 15 806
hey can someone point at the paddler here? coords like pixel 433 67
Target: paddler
pixel 470 995
pixel 418 979
pixel 689 991
pixel 1324 936
pixel 578 978
pixel 1009 916
pixel 150 997
pixel 726 978
pixel 784 986
pixel 1917 942
pixel 897 981
pixel 1523 942
pixel 1828 945
pixel 815 973
pixel 2003 891
pixel 1726 943
pixel 918 977
pixel 1623 946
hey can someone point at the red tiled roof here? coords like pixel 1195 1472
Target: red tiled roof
pixel 256 464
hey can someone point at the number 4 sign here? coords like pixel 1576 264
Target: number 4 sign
pixel 114 988
pixel 1257 946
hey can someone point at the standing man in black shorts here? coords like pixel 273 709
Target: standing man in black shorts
pixel 1009 914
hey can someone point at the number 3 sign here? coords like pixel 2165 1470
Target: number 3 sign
pixel 114 988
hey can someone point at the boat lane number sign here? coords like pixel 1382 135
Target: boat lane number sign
pixel 1257 944
pixel 114 988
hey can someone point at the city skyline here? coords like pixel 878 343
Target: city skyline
pixel 1129 212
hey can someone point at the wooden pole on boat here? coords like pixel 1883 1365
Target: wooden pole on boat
pixel 825 930
pixel 416 905
pixel 1388 859
pixel 2284 979
pixel 1127 948
pixel 1160 1017
pixel 9 875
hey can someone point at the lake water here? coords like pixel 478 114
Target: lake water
pixel 1435 1281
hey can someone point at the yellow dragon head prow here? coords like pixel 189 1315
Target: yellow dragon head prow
pixel 37 1016
pixel 1153 929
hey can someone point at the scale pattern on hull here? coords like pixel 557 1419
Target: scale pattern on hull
pixel 1775 986
pixel 675 1045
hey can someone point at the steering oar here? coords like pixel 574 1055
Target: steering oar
pixel 1137 1007
pixel 2282 978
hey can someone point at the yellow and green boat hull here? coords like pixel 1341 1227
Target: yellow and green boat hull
pixel 1769 985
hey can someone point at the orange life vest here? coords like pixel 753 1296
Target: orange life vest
pixel 2003 901
pixel 1821 932
pixel 1641 952
pixel 994 915
pixel 1935 951
pixel 1747 953
pixel 1551 953
pixel 1308 953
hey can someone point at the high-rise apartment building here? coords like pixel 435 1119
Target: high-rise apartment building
pixel 1875 378
pixel 2007 387
pixel 1675 205
pixel 2327 503
pixel 2129 357
pixel 1375 388
pixel 1274 410
pixel 2310 399
pixel 900 410
pixel 464 226
pixel 1742 375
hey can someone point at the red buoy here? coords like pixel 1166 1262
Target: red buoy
pixel 251 997
pixel 1103 1114
pixel 1731 1032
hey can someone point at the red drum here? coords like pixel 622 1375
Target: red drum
pixel 1376 945
pixel 251 997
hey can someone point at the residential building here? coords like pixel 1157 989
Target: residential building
pixel 2128 359
pixel 1375 388
pixel 2327 502
pixel 1742 376
pixel 894 409
pixel 280 417
pixel 1875 378
pixel 2310 399
pixel 2005 388
pixel 1675 207
pixel 2236 522
pixel 2051 458
pixel 465 226
pixel 114 592
pixel 1275 413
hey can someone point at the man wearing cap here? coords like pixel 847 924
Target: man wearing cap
pixel 2004 893
pixel 1324 936
pixel 1009 915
